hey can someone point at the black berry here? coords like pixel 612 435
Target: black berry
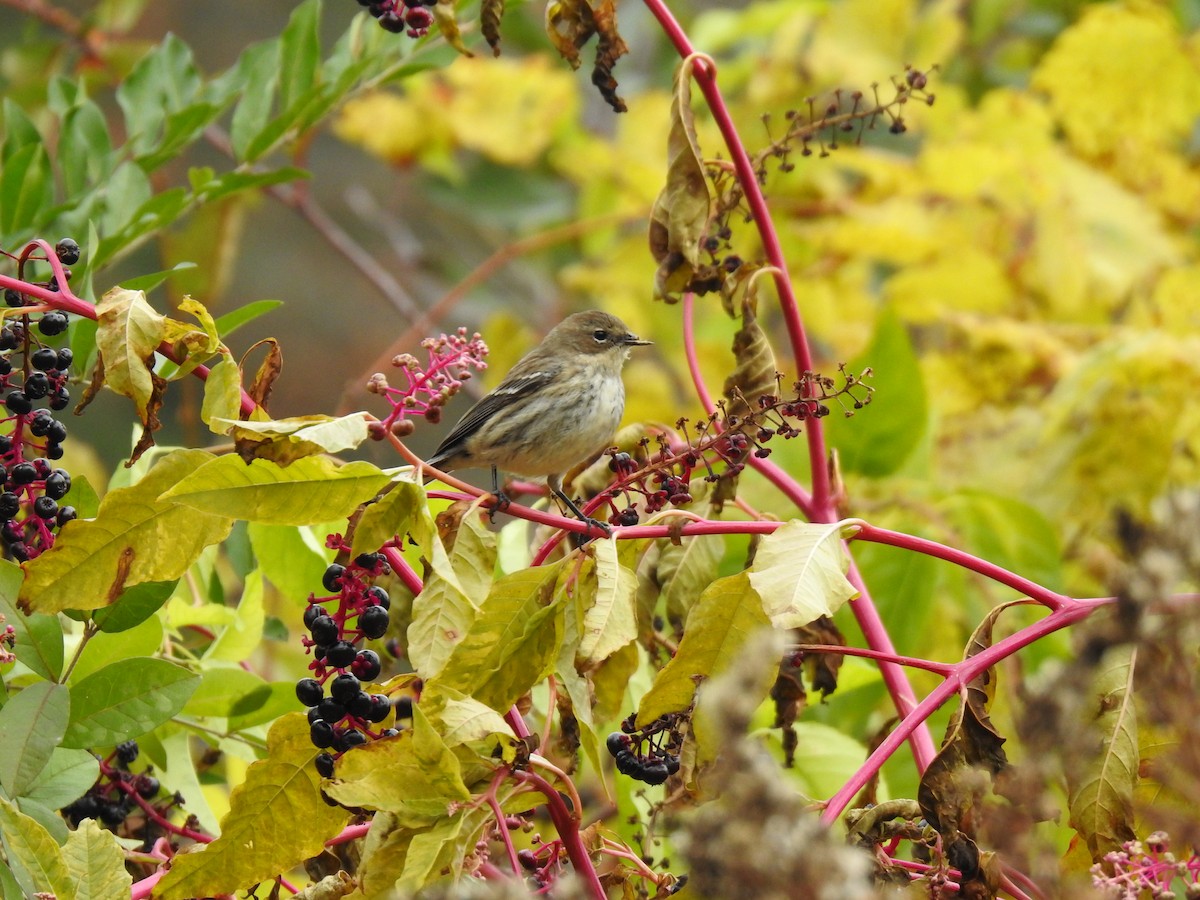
pixel 324 630
pixel 44 359
pixel 324 764
pixel 309 691
pixel 321 733
pixel 18 403
pixel 45 508
pixel 341 655
pixel 23 473
pixel 366 665
pixel 67 252
pixel 10 505
pixel 127 752
pixel 53 323
pixel 58 484
pixel 373 622
pixel 380 707
pixel 66 514
pixel 344 688
pixel 332 579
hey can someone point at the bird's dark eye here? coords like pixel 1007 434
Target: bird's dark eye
pixel 600 335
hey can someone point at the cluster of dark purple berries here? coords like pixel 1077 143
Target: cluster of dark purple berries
pixel 340 713
pixel 32 373
pixel 111 798
pixel 649 754
pixel 412 17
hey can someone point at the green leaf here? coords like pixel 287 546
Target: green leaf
pixel 38 637
pixel 125 700
pixel 135 605
pixel 82 495
pixel 300 53
pixel 799 572
pixel 512 644
pixel 19 130
pixel 257 708
pixel 395 513
pixel 276 820
pixel 129 332
pixel 609 591
pixel 143 639
pixel 135 538
pixel 31 725
pixel 311 490
pixel 290 558
pixel 66 777
pixel 85 155
pixel 222 391
pixel 1101 789
pixel 414 775
pixel 686 569
pixel 460 719
pixel 96 863
pixel 34 854
pixel 243 315
pixel 163 82
pixel 723 619
pixel 150 281
pixel 309 434
pixel 444 610
pixel 226 692
pixel 235 182
pixel 26 189
pixel 880 437
pixel 258 66
pixel 1008 532
pixel 244 634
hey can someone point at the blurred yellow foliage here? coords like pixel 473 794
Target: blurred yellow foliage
pixel 1121 74
pixel 508 110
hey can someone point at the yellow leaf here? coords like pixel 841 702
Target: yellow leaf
pixel 96 863
pixel 135 537
pixel 1119 74
pixel 129 331
pixel 276 820
pixel 799 572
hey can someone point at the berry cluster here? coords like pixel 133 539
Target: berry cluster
pixel 722 443
pixel 412 17
pixel 32 373
pixel 649 754
pixel 428 388
pixel 355 609
pixel 117 791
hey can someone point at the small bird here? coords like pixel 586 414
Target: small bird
pixel 557 407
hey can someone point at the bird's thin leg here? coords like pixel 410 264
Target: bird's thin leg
pixel 595 523
pixel 502 499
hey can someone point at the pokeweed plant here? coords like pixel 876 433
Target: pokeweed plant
pixel 486 714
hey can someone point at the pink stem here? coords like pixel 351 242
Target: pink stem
pixel 705 79
pixel 403 570
pixel 943 669
pixel 1030 589
pixel 963 673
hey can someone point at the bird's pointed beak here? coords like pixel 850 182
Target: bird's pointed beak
pixel 632 340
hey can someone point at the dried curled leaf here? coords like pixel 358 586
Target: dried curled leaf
pixel 491 13
pixel 680 214
pixel 569 25
pixel 609 48
pixel 447 23
pixel 955 783
pixel 754 376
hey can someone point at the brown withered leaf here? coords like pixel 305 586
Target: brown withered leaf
pixel 754 375
pixel 610 47
pixel 150 421
pixel 822 668
pixel 789 697
pixel 569 25
pixel 93 387
pixel 268 371
pixel 491 12
pixel 447 23
pixel 449 520
pixel 680 214
pixel 954 785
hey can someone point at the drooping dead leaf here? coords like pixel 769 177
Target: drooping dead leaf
pixel 755 374
pixel 790 698
pixel 268 371
pixel 822 668
pixel 447 22
pixel 569 25
pixel 954 785
pixel 150 421
pixel 491 12
pixel 609 48
pixel 680 214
